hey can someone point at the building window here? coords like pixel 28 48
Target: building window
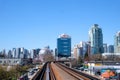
pixel 65 42
pixel 9 61
pixel 65 46
pixel 65 50
pixel 4 61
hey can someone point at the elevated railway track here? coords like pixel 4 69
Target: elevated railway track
pixel 58 71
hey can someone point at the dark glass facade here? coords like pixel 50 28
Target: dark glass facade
pixel 111 49
pixel 64 47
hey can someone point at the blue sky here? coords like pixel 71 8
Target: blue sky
pixel 37 23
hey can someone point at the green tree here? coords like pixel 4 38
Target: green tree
pixel 4 75
pixel 13 74
pixel 22 69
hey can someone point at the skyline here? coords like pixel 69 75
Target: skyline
pixel 35 24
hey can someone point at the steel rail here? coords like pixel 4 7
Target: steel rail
pixel 83 75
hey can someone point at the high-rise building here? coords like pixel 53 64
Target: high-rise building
pixel 26 54
pixel 89 48
pixel 81 49
pixel 84 47
pixel 18 51
pixel 96 39
pixel 4 52
pixel 29 54
pixel 76 53
pixel 32 53
pixel 14 52
pixel 105 48
pixel 55 52
pixel 64 45
pixel 37 51
pixel 22 52
pixel 10 54
pixel 110 49
pixel 117 42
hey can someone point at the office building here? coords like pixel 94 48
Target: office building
pixel 31 53
pixel 10 54
pixel 84 47
pixel 26 54
pixel 77 51
pixel 22 52
pixel 105 48
pixel 18 50
pixel 76 54
pixel 56 52
pixel 64 45
pixel 4 52
pixel 14 52
pixel 81 49
pixel 96 39
pixel 37 51
pixel 110 48
pixel 117 42
pixel 89 48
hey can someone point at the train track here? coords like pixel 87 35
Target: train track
pixel 78 75
pixel 52 76
pixel 72 73
pixel 41 75
pixel 47 73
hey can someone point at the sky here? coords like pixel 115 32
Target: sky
pixel 37 23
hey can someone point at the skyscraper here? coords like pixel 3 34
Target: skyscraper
pixel 110 49
pixel 18 51
pixel 22 52
pixel 81 49
pixel 105 48
pixel 84 47
pixel 96 39
pixel 32 53
pixel 64 45
pixel 25 53
pixel 76 52
pixel 10 54
pixel 117 42
pixel 14 52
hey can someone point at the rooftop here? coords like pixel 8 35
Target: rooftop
pixel 64 36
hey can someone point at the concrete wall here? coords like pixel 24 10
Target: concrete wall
pixel 10 61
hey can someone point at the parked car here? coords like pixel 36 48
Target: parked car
pixel 81 68
pixel 35 69
pixel 85 69
pixel 24 77
pixel 31 72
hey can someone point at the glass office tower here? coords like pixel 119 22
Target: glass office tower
pixel 117 42
pixel 96 39
pixel 64 45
